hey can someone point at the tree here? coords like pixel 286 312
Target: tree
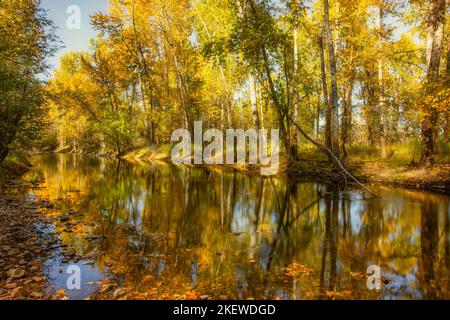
pixel 333 106
pixel 435 35
pixel 27 39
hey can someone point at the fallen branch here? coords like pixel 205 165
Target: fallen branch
pixel 330 155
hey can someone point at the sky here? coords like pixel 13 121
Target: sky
pixel 72 39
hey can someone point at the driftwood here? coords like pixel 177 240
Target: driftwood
pixel 330 155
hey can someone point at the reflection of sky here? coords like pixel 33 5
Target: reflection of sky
pixel 401 286
pixel 356 213
pixel 391 232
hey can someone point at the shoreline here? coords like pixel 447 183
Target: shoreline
pixel 25 241
pixel 433 179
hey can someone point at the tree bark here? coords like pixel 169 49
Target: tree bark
pixel 381 97
pixel 435 25
pixel 295 96
pixel 334 88
pixel 326 101
pixel 447 84
pixel 346 119
pixel 254 101
pixel 278 106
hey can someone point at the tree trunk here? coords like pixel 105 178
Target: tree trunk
pixel 222 74
pixel 254 101
pixel 326 101
pixel 3 153
pixel 295 96
pixel 280 112
pixel 381 98
pixel 261 109
pixel 148 127
pixel 435 36
pixel 346 119
pixel 334 89
pixel 447 84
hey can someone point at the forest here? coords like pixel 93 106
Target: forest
pixel 360 94
pixel 365 79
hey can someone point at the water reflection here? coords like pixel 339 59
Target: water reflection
pixel 168 231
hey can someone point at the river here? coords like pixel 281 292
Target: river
pixel 178 232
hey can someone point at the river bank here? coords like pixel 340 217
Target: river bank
pixel 25 242
pixel 316 168
pixel 313 167
pixel 435 179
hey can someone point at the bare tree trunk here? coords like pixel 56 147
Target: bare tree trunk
pixel 295 97
pixel 447 84
pixel 346 119
pixel 326 101
pixel 182 92
pixel 435 36
pixel 254 101
pixel 381 98
pixel 278 106
pixel 318 122
pixel 334 89
pixel 261 109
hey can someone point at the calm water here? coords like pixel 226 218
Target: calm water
pixel 177 232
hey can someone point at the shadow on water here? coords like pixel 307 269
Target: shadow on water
pixel 168 231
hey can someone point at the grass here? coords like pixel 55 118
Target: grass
pixel 400 168
pixel 399 154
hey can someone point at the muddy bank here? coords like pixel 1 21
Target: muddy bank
pixel 25 242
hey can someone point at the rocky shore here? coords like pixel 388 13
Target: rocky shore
pixel 25 242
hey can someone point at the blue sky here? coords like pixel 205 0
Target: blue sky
pixel 73 40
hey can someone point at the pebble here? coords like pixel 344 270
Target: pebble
pixel 119 293
pixel 16 293
pixel 37 295
pixel 15 273
pixel 24 238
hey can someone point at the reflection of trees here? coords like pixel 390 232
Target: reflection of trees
pixel 295 220
pixel 235 230
pixel 429 246
pixel 329 249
